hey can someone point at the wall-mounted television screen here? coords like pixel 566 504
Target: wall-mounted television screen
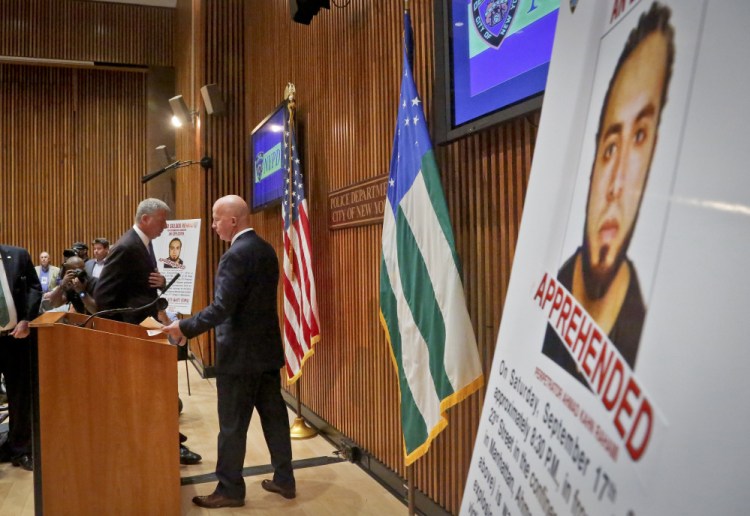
pixel 492 58
pixel 269 157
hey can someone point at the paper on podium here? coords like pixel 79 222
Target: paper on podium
pixel 154 327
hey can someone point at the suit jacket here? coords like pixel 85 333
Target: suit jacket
pixel 89 267
pixel 54 275
pixel 244 310
pixel 124 279
pixel 22 281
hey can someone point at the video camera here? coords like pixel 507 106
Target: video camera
pixel 81 275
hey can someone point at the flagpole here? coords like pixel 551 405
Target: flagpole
pixel 410 467
pixel 410 487
pixel 292 107
pixel 299 429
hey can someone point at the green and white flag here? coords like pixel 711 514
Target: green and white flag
pixel 422 302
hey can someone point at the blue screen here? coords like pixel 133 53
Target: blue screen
pixel 500 52
pixel 269 158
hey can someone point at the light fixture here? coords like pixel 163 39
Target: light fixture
pixel 182 115
pixel 213 99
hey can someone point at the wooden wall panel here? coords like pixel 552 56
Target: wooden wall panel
pixel 73 139
pixel 82 30
pixel 72 142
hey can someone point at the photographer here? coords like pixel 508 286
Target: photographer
pixel 75 290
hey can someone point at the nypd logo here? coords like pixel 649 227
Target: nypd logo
pixel 492 19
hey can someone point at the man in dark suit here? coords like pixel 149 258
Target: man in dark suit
pixel 130 277
pixel 249 355
pixel 20 295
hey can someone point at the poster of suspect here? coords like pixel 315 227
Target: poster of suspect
pixel 621 345
pixel 176 253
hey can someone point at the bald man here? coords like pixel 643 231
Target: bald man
pixel 249 355
pixel 75 289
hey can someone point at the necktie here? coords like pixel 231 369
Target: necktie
pixel 151 253
pixel 4 315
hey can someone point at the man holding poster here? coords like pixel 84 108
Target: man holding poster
pixel 599 274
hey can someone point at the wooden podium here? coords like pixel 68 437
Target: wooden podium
pixel 105 419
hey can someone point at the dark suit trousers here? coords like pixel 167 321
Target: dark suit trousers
pixel 237 396
pixel 15 364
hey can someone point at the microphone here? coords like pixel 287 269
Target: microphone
pixel 171 282
pixel 160 302
pixel 176 164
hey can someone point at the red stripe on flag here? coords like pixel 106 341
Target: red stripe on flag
pixel 302 330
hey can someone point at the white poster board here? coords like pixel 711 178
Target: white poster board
pixel 176 252
pixel 655 422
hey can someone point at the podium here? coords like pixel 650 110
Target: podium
pixel 105 419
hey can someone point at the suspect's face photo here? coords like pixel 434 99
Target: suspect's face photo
pixel 625 147
pixel 175 247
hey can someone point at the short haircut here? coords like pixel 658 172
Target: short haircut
pixel 149 207
pixel 655 20
pixel 175 239
pixel 101 241
pixel 72 262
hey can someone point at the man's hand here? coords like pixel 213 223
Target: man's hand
pixel 174 331
pixel 21 330
pixel 71 282
pixel 156 280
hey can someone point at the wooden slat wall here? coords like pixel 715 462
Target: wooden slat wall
pixel 73 139
pixel 73 152
pixel 82 30
pixel 346 67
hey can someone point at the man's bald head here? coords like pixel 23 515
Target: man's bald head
pixel 74 262
pixel 230 216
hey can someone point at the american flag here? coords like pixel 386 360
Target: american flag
pixel 301 329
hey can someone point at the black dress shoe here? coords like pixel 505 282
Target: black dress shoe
pixel 286 492
pixel 216 501
pixel 187 457
pixel 25 461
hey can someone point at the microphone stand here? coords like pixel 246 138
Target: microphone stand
pixel 113 311
pixel 176 164
pixel 206 162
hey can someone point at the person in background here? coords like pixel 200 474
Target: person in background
pixel 249 355
pixel 75 291
pixel 82 250
pixel 49 277
pixel 20 295
pixel 96 264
